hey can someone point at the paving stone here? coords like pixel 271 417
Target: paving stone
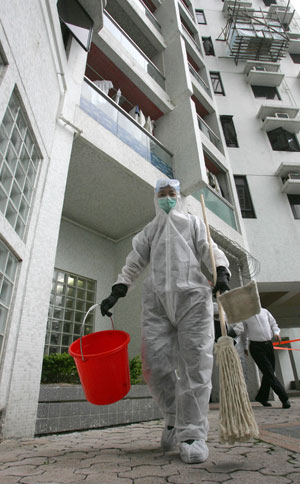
pixel 148 471
pixel 256 478
pixel 59 475
pixel 193 476
pixel 294 477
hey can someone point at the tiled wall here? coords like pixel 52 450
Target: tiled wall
pixel 64 408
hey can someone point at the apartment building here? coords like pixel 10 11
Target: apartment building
pixel 98 100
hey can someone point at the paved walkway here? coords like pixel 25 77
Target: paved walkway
pixel 131 455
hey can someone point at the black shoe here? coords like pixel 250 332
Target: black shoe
pixel 286 404
pixel 264 403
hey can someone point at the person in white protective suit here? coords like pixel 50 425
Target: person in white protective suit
pixel 177 317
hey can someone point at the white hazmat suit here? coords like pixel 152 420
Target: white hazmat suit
pixel 177 315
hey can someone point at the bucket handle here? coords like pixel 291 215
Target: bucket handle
pixel 83 323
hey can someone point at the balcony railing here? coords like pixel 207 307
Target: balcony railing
pixel 199 79
pixel 134 50
pixel 187 9
pixel 149 14
pixel 192 38
pixel 107 113
pixel 208 132
pixel 217 205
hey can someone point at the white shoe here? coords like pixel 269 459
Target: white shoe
pixel 194 453
pixel 168 438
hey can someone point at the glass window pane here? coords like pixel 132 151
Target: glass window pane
pixel 77 20
pixel 61 330
pixel 18 174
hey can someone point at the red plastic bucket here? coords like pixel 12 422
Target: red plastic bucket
pixel 102 363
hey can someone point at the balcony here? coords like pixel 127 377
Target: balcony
pixel 279 117
pixel 148 13
pixel 239 6
pixel 199 79
pixel 110 115
pixel 208 132
pixel 186 9
pixel 134 50
pixel 290 174
pixel 263 73
pixel 218 205
pixel 188 35
pixel 283 13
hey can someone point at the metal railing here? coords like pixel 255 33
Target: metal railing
pixel 199 79
pixel 208 132
pixel 192 39
pixel 149 14
pixel 110 115
pixel 187 9
pixel 133 49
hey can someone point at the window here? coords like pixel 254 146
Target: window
pixel 217 83
pixel 267 92
pixel 242 189
pixel 200 17
pixel 75 19
pixel 295 58
pixel 19 162
pixel 295 205
pixel 282 140
pixel 229 131
pixel 8 266
pixel 269 2
pixel 208 46
pixel 71 297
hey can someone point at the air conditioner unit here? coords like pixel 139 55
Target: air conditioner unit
pixel 293 176
pixel 281 115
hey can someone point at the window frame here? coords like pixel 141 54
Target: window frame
pixel 272 89
pixel 204 38
pixel 19 165
pixel 202 15
pixel 219 82
pixel 245 211
pixel 295 58
pixel 292 197
pixel 227 120
pixel 63 21
pixel 67 307
pixel 281 134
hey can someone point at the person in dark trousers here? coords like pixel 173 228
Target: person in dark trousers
pixel 260 330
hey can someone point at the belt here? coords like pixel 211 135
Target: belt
pixel 260 342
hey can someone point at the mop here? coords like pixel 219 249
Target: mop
pixel 236 419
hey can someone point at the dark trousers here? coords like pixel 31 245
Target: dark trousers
pixel 263 355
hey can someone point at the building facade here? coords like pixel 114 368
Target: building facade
pixel 98 100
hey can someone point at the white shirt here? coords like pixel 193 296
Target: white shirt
pixel 261 327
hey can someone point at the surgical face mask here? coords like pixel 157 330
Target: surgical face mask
pixel 166 203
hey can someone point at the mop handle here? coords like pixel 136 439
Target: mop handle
pixel 214 270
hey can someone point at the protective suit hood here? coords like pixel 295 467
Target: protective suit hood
pixel 163 183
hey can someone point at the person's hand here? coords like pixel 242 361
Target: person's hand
pixel 107 304
pixel 277 337
pixel 222 283
pixel 117 291
pixel 246 352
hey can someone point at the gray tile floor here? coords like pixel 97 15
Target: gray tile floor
pixel 131 455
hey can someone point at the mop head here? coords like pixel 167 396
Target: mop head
pixel 237 421
pixel 240 303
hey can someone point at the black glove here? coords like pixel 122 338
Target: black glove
pixel 222 280
pixel 117 291
pixel 231 333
